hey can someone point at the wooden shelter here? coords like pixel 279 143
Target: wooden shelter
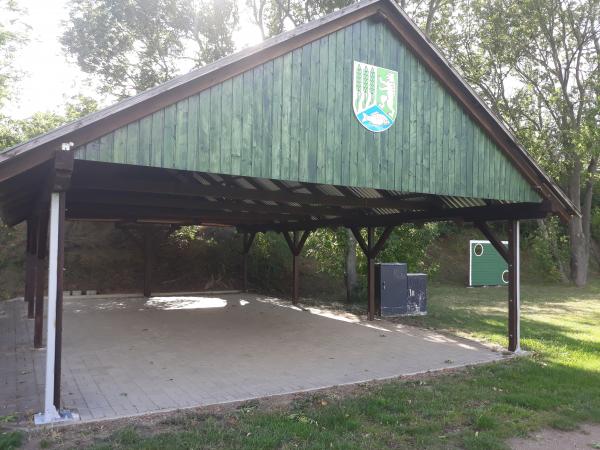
pixel 267 140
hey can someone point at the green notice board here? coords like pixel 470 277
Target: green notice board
pixel 486 266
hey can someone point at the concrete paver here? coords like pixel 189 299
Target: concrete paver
pixel 124 356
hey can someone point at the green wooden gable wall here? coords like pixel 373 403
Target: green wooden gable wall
pixel 291 119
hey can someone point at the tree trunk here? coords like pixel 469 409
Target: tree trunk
pixel 579 240
pixel 351 275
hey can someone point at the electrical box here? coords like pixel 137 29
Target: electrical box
pixel 391 288
pixel 486 266
pixel 416 300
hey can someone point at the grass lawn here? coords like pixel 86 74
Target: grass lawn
pixel 479 408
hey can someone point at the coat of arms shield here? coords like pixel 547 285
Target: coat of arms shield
pixel 374 96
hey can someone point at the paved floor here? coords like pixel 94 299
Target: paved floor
pixel 125 356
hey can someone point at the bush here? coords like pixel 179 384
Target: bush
pixel 542 258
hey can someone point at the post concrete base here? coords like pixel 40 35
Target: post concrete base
pixel 55 417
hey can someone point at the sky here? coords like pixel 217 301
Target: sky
pixel 49 78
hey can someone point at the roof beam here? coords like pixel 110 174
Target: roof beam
pixel 84 196
pixel 123 184
pixel 119 213
pixel 471 214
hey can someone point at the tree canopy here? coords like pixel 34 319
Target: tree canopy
pixel 130 46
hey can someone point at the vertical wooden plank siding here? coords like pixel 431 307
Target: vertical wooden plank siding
pixel 181 134
pixel 236 124
pixel 292 118
pixel 226 119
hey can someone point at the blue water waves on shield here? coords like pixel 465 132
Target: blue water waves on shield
pixel 375 119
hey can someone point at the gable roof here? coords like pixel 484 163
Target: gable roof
pixel 30 154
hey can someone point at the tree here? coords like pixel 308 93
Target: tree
pixel 132 45
pixel 14 131
pixel 13 35
pixel 537 62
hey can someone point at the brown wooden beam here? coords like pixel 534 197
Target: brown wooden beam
pixel 31 265
pixel 42 243
pixel 148 261
pixel 248 239
pixel 370 275
pixel 470 214
pixel 514 287
pixel 296 244
pixel 122 212
pixel 371 248
pixel 88 197
pixel 490 236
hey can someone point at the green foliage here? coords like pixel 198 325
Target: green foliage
pixel 328 249
pixel 15 131
pixel 409 243
pixel 596 223
pixel 269 263
pixel 545 246
pixel 13 35
pixel 134 45
pixel 12 260
pixel 272 16
pixel 11 440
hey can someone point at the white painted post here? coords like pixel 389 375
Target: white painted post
pixel 50 412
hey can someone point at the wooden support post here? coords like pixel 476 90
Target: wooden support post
pixel 148 261
pixel 296 244
pixel 60 262
pixel 512 258
pixel 31 265
pixel 248 239
pixel 514 287
pixel 41 241
pixel 295 279
pixel 371 249
pixel 370 275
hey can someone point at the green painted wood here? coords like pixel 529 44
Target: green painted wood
pixel 168 149
pixel 246 150
pixel 267 131
pixel 236 124
pixel 286 116
pixel 214 138
pixel 192 131
pixel 312 142
pixel 292 119
pixel 351 126
pixel 257 120
pixel 296 89
pixel 339 158
pixel 329 149
pixel 181 135
pixel 276 114
pixel 120 142
pixel 145 141
pixel 225 133
pixel 203 154
pixel 157 139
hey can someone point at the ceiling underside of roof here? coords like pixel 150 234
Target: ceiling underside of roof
pixel 124 193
